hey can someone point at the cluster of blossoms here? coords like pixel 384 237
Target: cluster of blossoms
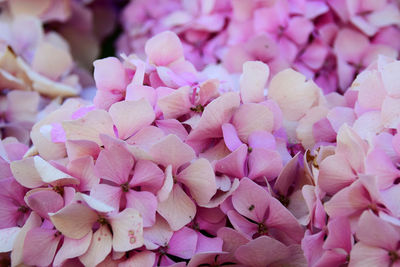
pixel 328 41
pixel 174 167
pixel 41 57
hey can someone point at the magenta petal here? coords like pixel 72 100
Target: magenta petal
pixel 183 243
pixel 40 246
pixel 145 203
pixel 339 234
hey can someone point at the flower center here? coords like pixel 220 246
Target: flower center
pixel 393 256
pixel 125 187
pixel 262 229
pixel 199 108
pixel 102 221
pixel 23 209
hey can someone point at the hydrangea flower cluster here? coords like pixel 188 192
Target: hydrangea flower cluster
pixel 328 41
pixel 39 54
pixel 174 167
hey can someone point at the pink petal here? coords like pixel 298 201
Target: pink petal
pixel 389 79
pixel 218 112
pixel 364 255
pixel 172 126
pixel 49 174
pixel 371 92
pixel 136 92
pixel 299 29
pixel 264 162
pixel 171 151
pixel 287 176
pixel 339 234
pixel 233 164
pixel 108 194
pixel 80 148
pixel 164 48
pixel 83 169
pixel 175 104
pixel 387 238
pixel 252 117
pixel 74 220
pixel 262 139
pixel 25 173
pixel 72 248
pixel 145 203
pixel 199 177
pixel 131 116
pixel 109 74
pixel 147 175
pixel 231 137
pixel 339 116
pixel 157 235
pixel 390 114
pixel 252 206
pixel 183 243
pixel 114 164
pixel 261 252
pixel 144 258
pixel 40 246
pixel 99 248
pixel 350 45
pixel 178 209
pixel 127 229
pixel 43 201
pixel 335 174
pixel 253 81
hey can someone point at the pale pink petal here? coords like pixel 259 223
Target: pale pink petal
pixel 83 169
pixel 262 252
pixel 233 164
pixel 74 220
pixel 72 248
pixel 253 81
pixel 114 164
pixel 40 245
pixel 252 117
pixel 364 255
pixel 335 173
pixel 175 104
pixel 379 163
pixel 49 174
pixel 339 116
pixel 172 126
pixel 127 229
pixel 145 203
pixel 136 92
pixel 390 114
pixel 299 29
pixel 183 243
pixel 208 244
pixel 387 237
pixel 80 148
pixel 99 248
pixel 43 201
pixel 371 91
pixel 7 238
pixel 157 235
pixel 144 258
pixel 287 175
pixel 89 127
pixel 108 194
pixel 178 209
pixel 199 177
pixel 109 74
pixel 293 93
pixel 147 175
pixel 220 197
pixel 164 48
pixel 389 79
pixel 350 45
pixel 131 116
pixel 264 162
pixel 218 112
pixel 171 151
pixel 32 222
pixel 25 173
pixel 351 145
